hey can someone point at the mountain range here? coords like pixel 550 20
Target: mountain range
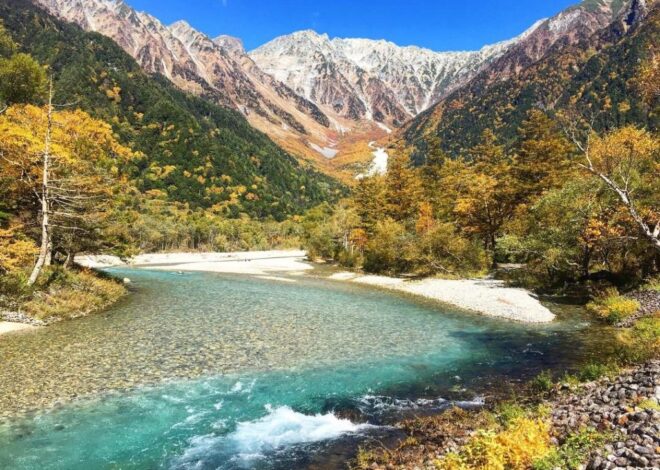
pixel 305 90
pixel 593 69
pixel 321 98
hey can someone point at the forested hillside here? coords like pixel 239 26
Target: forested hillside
pixel 555 169
pixel 598 76
pixel 193 152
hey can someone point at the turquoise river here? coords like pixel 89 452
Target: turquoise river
pixel 206 371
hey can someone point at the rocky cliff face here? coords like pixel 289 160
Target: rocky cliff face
pixel 366 79
pixel 568 27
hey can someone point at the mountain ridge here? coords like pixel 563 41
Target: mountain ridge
pixel 594 71
pixel 307 90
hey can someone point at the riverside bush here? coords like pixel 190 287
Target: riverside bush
pixel 542 383
pixel 516 446
pixel 612 307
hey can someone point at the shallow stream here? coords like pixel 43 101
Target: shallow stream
pixel 211 371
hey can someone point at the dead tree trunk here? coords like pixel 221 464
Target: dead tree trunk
pixel 46 240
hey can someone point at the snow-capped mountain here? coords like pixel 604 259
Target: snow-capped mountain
pixel 368 79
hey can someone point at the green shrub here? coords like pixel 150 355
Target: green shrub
pixel 389 249
pixel 590 372
pixel 641 342
pixel 507 412
pixel 595 370
pixel 14 286
pixel 573 452
pixel 350 260
pixel 542 383
pixel 612 307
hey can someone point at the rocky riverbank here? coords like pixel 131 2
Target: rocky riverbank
pixel 649 304
pixel 18 317
pixel 626 406
pixel 623 410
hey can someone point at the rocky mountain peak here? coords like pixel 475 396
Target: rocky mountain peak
pixel 230 44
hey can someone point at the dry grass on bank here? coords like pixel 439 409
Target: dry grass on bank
pixel 65 294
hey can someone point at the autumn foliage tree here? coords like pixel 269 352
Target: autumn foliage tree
pixel 22 79
pixel 402 189
pixel 83 169
pixel 541 157
pixel 627 161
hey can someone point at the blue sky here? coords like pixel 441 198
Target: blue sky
pixel 436 24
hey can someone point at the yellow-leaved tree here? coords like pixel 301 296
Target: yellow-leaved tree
pixel 61 171
pixel 627 161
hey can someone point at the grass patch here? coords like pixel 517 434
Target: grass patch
pixel 649 405
pixel 612 307
pixel 640 342
pixel 64 294
pixel 572 454
pixel 652 285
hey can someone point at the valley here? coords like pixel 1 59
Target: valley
pixel 300 246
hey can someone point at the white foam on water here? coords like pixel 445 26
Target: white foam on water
pixel 283 427
pixel 379 404
pixel 280 428
pixel 240 387
pixel 199 448
pixel 383 404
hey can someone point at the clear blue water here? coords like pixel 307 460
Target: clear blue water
pixel 218 372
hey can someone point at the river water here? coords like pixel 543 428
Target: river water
pixel 211 371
